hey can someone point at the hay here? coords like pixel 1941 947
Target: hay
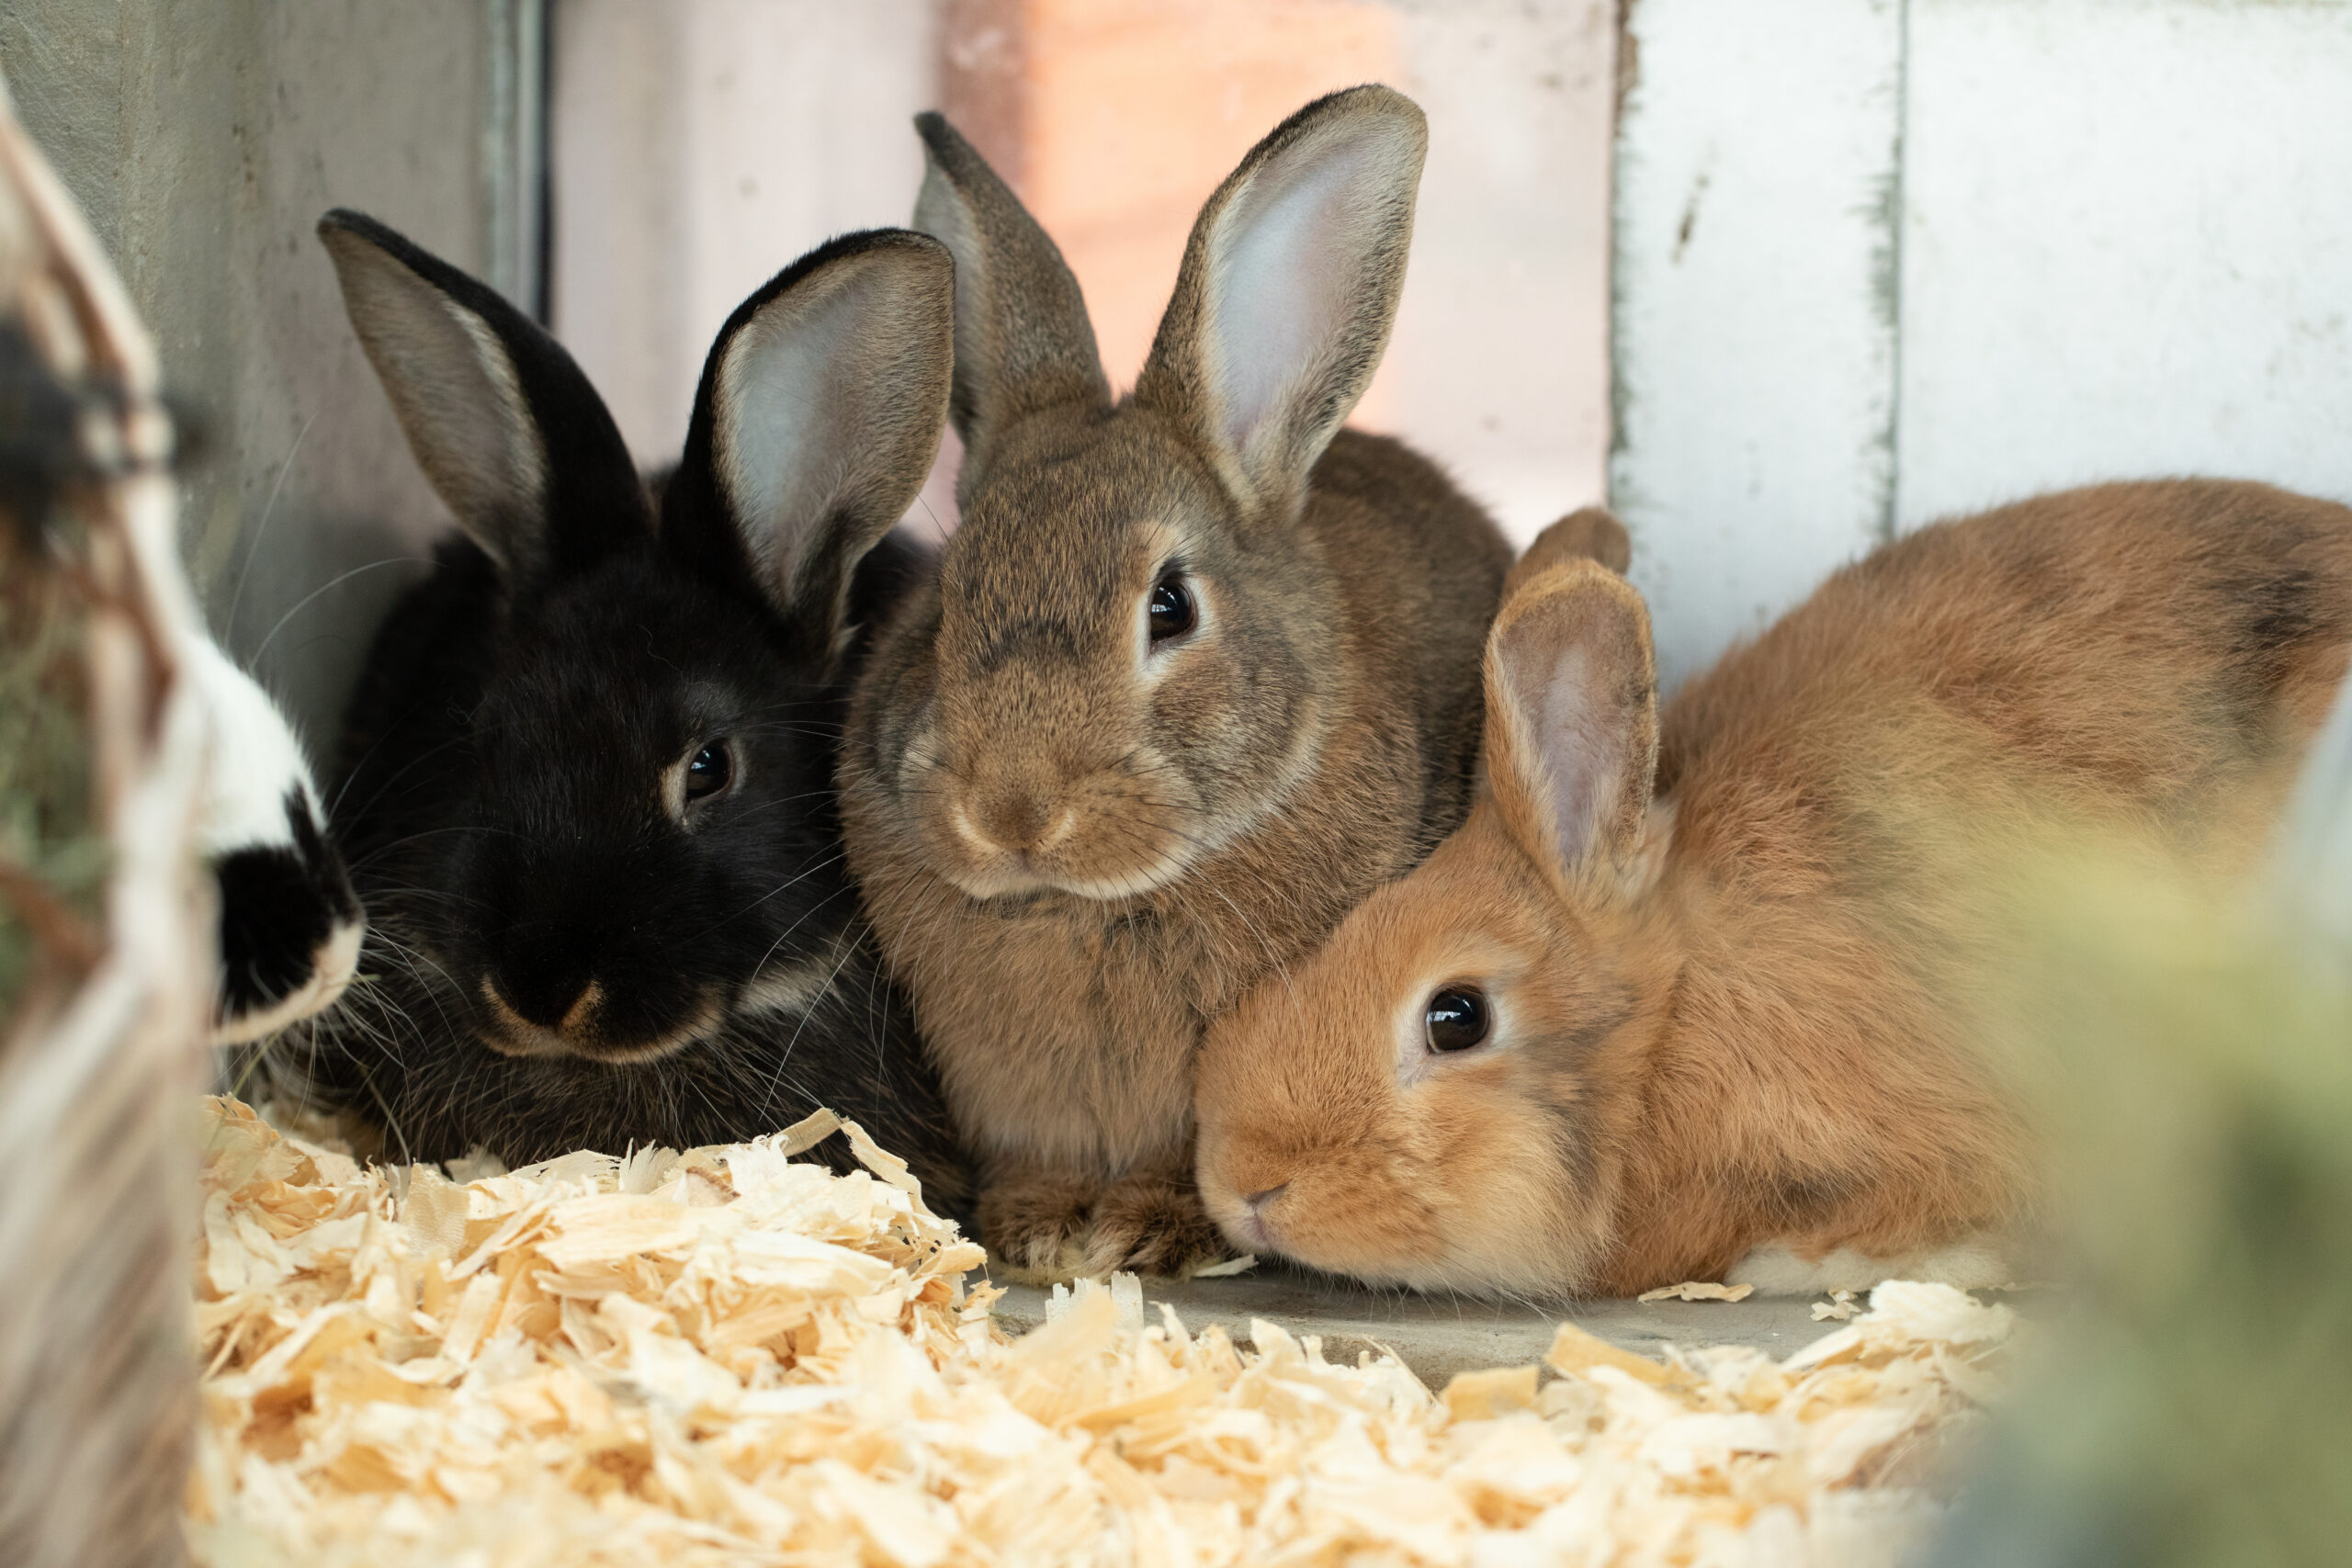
pixel 731 1356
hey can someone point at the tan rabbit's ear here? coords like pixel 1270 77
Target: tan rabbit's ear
pixel 1589 533
pixel 816 421
pixel 1022 341
pixel 1571 742
pixel 1288 291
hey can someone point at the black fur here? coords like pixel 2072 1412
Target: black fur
pixel 279 903
pixel 499 800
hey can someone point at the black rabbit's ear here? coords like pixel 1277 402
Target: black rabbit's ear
pixel 816 423
pixel 1023 340
pixel 511 435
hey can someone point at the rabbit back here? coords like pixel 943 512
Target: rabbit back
pixel 1690 994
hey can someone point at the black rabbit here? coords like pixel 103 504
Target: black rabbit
pixel 587 781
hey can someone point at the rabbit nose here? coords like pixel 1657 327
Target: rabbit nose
pixel 1258 1200
pixel 1019 821
pixel 564 1008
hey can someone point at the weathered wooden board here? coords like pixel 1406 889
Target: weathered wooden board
pixel 2127 246
pixel 1878 263
pixel 1757 172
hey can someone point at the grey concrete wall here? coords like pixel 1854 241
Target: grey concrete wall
pixel 205 137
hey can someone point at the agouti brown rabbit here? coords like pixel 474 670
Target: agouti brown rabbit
pixel 1198 670
pixel 1667 1007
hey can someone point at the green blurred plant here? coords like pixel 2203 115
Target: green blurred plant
pixel 2189 1050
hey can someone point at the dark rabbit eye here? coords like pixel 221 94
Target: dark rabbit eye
pixel 709 770
pixel 1457 1019
pixel 1172 614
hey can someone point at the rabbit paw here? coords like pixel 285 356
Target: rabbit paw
pixel 1151 1223
pixel 1031 1223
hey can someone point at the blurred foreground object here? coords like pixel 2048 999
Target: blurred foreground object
pixel 2196 1058
pixel 105 980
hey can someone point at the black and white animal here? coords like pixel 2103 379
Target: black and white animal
pixel 587 783
pixel 290 925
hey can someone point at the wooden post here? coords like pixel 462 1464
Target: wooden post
pixel 102 1011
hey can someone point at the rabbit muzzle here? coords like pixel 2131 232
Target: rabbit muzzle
pixel 1109 833
pixel 584 1029
pixel 1352 1209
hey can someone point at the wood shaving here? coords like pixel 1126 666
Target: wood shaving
pixel 730 1357
pixel 1697 1291
pixel 1840 1306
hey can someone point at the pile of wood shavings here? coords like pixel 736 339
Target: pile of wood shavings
pixel 731 1356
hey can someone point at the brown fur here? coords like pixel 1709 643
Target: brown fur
pixel 1719 1017
pixel 1587 534
pixel 1077 847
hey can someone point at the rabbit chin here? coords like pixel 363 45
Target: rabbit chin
pixel 1514 1239
pixel 983 870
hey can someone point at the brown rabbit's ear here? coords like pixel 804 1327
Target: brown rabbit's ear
pixel 817 420
pixel 1023 341
pixel 1589 533
pixel 1572 721
pixel 1288 289
pixel 513 437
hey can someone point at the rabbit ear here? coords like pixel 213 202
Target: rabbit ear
pixel 510 435
pixel 1589 533
pixel 816 423
pixel 1288 287
pixel 1022 341
pixel 1571 738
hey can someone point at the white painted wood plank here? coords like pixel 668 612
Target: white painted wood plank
pixel 2128 247
pixel 1756 173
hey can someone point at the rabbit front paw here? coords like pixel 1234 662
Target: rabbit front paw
pixel 1031 1222
pixel 1150 1222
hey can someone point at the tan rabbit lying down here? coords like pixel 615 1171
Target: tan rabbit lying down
pixel 1669 1006
pixel 1197 670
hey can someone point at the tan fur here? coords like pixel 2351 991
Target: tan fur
pixel 1588 533
pixel 1734 1039
pixel 1076 850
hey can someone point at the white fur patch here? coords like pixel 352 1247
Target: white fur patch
pixel 254 759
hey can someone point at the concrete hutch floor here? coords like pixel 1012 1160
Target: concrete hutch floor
pixel 1439 1335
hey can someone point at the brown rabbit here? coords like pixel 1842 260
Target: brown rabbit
pixel 1666 1006
pixel 1198 670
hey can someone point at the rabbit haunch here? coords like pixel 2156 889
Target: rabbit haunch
pixel 1694 988
pixel 587 776
pixel 1198 670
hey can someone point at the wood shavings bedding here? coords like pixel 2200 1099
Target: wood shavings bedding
pixel 730 1357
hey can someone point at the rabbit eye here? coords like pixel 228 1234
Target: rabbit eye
pixel 1457 1019
pixel 709 770
pixel 1171 610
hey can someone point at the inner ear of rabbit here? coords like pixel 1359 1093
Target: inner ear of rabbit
pixel 504 425
pixel 817 422
pixel 1572 727
pixel 1288 290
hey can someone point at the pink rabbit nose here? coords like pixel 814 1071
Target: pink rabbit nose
pixel 1258 1200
